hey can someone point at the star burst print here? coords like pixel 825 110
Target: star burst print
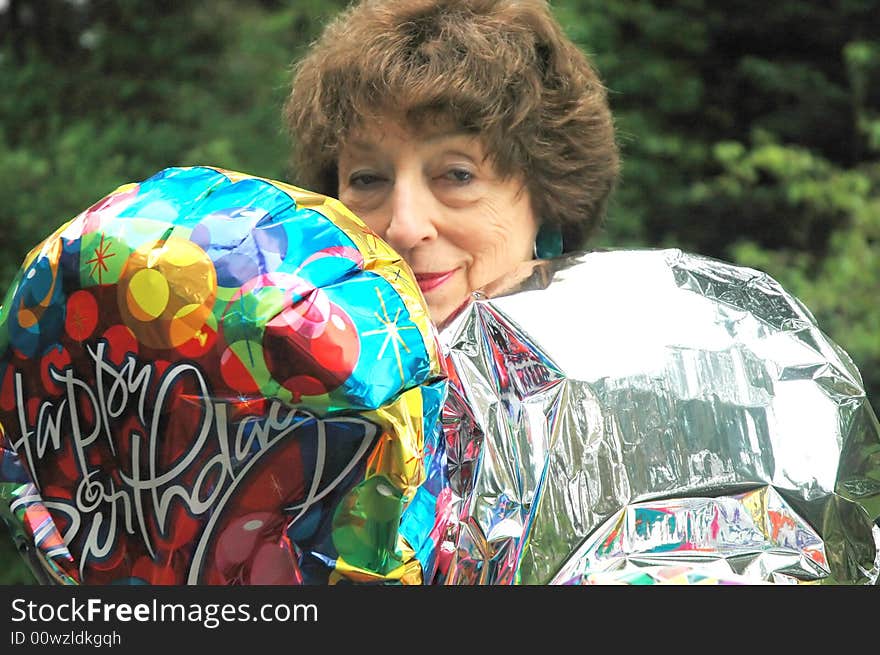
pixel 419 457
pixel 102 254
pixel 77 319
pixel 276 486
pixel 392 333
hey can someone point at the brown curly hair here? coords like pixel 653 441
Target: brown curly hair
pixel 503 69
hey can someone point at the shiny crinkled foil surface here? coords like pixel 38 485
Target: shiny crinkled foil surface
pixel 620 415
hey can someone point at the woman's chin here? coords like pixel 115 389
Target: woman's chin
pixel 442 313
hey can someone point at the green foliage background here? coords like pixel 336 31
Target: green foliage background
pixel 750 131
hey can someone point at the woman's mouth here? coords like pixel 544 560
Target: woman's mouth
pixel 430 281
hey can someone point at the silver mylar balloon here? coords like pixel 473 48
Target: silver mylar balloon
pixel 621 410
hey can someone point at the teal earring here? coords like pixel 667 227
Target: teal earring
pixel 548 242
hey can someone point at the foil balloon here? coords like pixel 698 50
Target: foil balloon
pixel 630 415
pixel 213 378
pixel 671 574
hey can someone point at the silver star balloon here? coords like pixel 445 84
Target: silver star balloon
pixel 626 411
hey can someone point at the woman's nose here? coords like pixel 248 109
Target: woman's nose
pixel 412 215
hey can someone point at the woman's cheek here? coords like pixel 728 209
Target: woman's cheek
pixel 457 196
pixel 370 217
pixel 484 268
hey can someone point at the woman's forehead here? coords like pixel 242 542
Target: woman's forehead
pixel 394 137
pixel 424 129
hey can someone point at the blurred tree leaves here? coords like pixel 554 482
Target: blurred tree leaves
pixel 100 93
pixel 750 130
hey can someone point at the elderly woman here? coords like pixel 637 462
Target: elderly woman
pixel 470 135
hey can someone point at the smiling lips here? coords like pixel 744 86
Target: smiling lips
pixel 429 281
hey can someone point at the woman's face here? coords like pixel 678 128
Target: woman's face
pixel 437 199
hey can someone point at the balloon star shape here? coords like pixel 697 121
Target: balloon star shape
pixel 276 486
pixel 102 254
pixel 392 333
pixel 77 320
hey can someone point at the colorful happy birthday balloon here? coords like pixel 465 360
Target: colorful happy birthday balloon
pixel 213 378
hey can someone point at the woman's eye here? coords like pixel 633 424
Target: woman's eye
pixel 364 180
pixel 460 175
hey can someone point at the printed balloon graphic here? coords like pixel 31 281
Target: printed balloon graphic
pixel 200 382
pixel 166 292
pixel 312 346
